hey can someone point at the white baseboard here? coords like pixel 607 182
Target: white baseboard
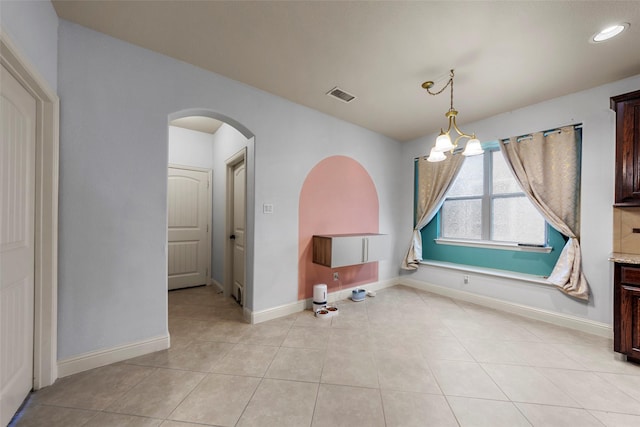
pixel 274 313
pixel 307 304
pixel 96 359
pixel 346 293
pixel 104 357
pixel 217 285
pixel 560 319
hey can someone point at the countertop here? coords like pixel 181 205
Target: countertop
pixel 623 258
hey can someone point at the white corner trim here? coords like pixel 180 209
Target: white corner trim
pixel 560 319
pixel 217 284
pixel 96 359
pixel 247 315
pixel 307 304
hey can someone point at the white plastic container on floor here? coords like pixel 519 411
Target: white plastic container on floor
pixel 319 297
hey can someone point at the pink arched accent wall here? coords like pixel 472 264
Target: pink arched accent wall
pixel 337 197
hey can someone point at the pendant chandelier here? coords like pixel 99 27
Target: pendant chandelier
pixel 443 141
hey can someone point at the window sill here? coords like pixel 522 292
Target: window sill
pixel 485 244
pixel 531 278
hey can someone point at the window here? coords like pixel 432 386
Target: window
pixel 486 221
pixel 486 204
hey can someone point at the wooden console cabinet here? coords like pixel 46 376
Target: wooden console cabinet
pixel 627 181
pixel 340 250
pixel 626 311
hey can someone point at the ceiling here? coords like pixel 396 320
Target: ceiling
pixel 198 123
pixel 506 55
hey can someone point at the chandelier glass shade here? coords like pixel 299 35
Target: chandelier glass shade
pixel 443 141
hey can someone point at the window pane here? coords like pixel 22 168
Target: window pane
pixel 503 180
pixel 469 181
pixel 516 220
pixel 461 219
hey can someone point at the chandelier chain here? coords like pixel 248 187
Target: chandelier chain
pixel 450 82
pixel 443 141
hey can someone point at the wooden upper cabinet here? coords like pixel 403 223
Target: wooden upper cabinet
pixel 340 250
pixel 627 108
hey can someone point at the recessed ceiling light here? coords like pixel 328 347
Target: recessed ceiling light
pixel 609 32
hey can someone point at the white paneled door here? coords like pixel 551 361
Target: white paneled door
pixel 238 236
pixel 17 198
pixel 189 210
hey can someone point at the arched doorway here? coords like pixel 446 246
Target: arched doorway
pixel 222 270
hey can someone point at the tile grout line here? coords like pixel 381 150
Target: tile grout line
pixel 598 364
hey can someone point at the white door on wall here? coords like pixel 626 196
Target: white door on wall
pixel 189 212
pixel 17 198
pixel 238 236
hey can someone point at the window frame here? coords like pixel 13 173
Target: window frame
pixel 487 198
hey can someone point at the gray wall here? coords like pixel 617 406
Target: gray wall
pixel 591 108
pixel 33 27
pixel 190 148
pixel 116 99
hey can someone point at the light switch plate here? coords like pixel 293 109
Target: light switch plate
pixel 267 208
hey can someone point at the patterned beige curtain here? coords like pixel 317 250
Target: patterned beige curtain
pixel 548 170
pixel 434 180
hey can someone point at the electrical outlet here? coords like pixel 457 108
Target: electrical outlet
pixel 335 276
pixel 466 279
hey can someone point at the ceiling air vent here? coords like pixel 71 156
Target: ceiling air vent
pixel 343 96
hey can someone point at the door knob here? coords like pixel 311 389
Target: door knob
pixel 232 237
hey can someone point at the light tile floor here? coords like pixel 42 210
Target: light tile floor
pixel 402 358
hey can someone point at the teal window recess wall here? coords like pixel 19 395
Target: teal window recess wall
pixel 536 263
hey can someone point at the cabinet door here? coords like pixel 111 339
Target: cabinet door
pixel 630 321
pixel 376 248
pixel 626 314
pixel 347 250
pixel 627 107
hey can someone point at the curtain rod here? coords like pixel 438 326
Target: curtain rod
pixel 526 136
pixel 545 132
